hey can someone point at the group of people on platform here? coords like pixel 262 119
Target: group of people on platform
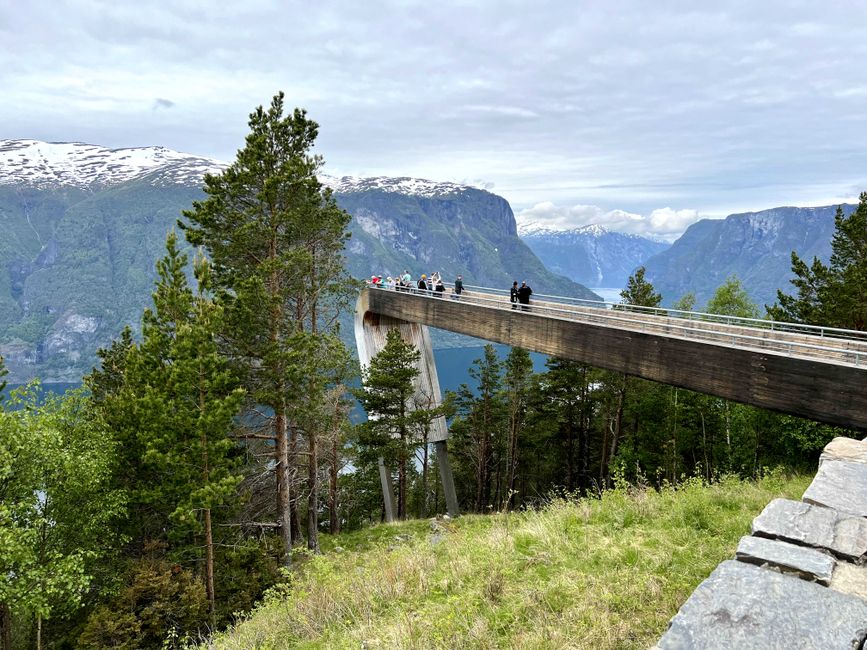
pixel 404 282
pixel 518 296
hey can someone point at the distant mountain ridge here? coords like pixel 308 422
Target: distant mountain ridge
pixel 83 226
pixel 592 255
pixel 755 246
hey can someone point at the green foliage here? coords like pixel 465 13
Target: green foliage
pixel 686 302
pixel 639 291
pixel 275 237
pixel 396 424
pixel 731 299
pixel 160 605
pixel 58 511
pixel 186 398
pixel 476 430
pixel 834 295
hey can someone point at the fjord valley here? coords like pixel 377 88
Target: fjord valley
pixel 211 483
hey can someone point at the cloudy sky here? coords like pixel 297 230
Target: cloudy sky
pixel 642 115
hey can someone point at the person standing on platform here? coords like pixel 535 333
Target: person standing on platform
pixel 459 287
pixel 513 295
pixel 524 294
pixel 422 283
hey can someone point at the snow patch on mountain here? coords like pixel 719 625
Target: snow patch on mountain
pixel 400 185
pixel 76 164
pixel 50 164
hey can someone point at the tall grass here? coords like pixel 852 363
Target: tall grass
pixel 590 573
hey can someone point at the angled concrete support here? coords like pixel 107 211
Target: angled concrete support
pixel 447 479
pixel 387 492
pixel 370 338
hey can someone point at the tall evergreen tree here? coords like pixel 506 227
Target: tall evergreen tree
pixel 834 295
pixel 275 237
pixel 517 381
pixel 639 291
pixel 477 429
pixel 394 422
pixel 187 398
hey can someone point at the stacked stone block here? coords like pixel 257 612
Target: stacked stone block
pixel 799 580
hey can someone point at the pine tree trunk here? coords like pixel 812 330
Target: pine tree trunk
pixel 283 488
pixel 313 499
pixel 209 537
pixel 618 423
pixel 209 564
pixel 512 457
pixel 401 484
pixel 292 464
pixel 5 627
pixel 570 449
pixel 334 519
pixel 424 464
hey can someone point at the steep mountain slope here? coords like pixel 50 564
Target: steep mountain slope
pixel 591 255
pixel 755 246
pixel 446 227
pixel 83 225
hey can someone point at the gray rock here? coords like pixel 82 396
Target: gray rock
pixel 743 606
pixel 850 579
pixel 840 484
pixel 802 523
pixel 803 562
pixel 845 449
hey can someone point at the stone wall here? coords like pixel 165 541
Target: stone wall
pixel 799 580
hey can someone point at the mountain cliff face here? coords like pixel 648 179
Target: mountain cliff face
pixel 591 255
pixel 83 226
pixel 755 246
pixel 441 227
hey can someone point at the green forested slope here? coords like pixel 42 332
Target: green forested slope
pixel 76 265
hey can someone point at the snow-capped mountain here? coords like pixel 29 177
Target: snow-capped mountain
pixel 592 255
pixel 400 185
pixel 75 164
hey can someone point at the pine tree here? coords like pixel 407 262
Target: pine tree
pixel 516 382
pixel 275 237
pixel 834 295
pixel 570 403
pixel 477 430
pixel 393 425
pixel 187 399
pixel 639 291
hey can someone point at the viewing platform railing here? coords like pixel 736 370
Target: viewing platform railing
pixel 832 345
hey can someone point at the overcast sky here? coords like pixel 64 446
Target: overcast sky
pixel 642 115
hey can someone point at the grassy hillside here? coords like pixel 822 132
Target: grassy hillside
pixel 594 573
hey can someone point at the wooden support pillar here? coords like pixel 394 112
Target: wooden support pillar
pixel 447 479
pixel 387 494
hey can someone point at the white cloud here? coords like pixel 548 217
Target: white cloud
pixel 668 104
pixel 662 223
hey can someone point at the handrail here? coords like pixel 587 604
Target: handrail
pixel 781 342
pixel 761 323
